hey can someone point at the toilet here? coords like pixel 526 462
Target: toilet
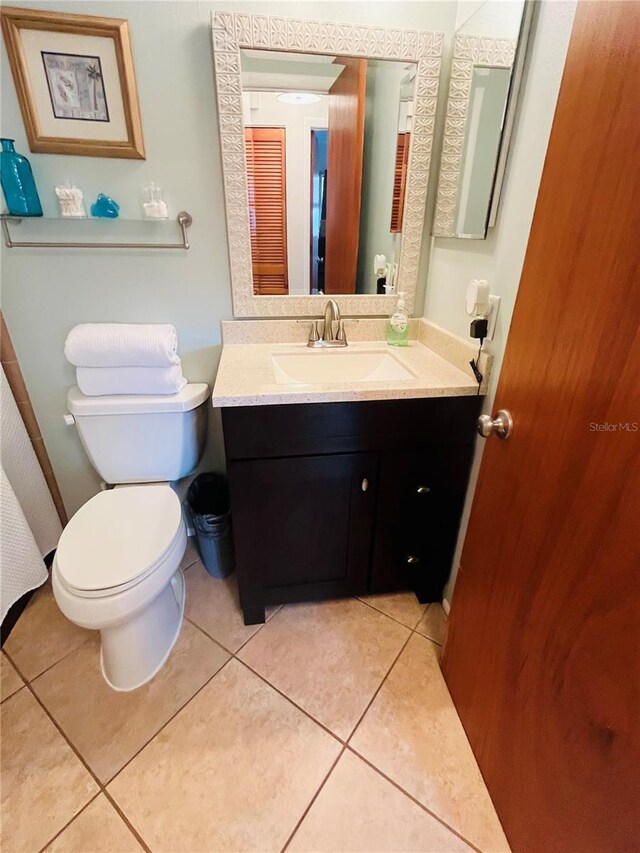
pixel 117 566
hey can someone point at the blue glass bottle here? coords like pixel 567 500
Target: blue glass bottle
pixel 18 185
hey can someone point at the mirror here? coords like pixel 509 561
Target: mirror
pixel 488 52
pixel 326 143
pixel 326 131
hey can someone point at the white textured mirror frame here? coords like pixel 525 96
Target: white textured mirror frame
pixel 233 31
pixel 468 52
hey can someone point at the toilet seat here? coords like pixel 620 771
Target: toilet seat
pixel 117 539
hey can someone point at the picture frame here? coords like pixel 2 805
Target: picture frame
pixel 75 82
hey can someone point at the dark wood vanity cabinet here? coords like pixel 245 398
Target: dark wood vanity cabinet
pixel 336 499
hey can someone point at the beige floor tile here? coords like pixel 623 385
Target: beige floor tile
pixel 413 734
pixel 10 681
pixel 108 728
pixel 191 554
pixel 434 624
pixel 360 811
pixel 234 770
pixel 213 604
pixel 42 635
pixel 44 784
pixel 329 658
pixel 402 606
pixel 97 829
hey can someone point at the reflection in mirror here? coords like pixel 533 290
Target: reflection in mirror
pixel 327 143
pixel 487 52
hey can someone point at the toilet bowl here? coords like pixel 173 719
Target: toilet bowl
pixel 117 570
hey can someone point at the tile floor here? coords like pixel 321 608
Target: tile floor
pixel 329 728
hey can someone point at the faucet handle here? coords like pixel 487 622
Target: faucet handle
pixel 313 329
pixel 342 335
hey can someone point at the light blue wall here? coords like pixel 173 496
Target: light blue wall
pixel 501 256
pixel 45 293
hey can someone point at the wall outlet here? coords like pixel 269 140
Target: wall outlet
pixel 494 302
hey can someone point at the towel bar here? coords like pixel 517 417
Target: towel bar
pixel 183 219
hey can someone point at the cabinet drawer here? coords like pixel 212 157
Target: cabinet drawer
pixel 259 432
pixel 421 499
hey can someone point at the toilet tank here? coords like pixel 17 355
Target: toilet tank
pixel 142 439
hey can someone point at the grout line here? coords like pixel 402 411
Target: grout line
pixel 208 636
pixel 377 769
pixel 290 700
pixel 127 822
pixel 313 799
pixel 165 724
pixel 379 687
pixel 103 786
pixel 413 798
pixel 64 657
pixel 268 619
pixel 196 559
pixel 233 656
pixel 79 756
pixel 388 615
pixel 69 822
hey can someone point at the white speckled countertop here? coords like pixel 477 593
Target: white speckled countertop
pixel 246 376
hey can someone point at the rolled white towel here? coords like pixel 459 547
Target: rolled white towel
pixel 122 345
pixel 101 381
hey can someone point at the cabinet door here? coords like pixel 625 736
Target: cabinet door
pixel 421 494
pixel 302 526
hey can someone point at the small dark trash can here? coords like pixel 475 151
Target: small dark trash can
pixel 208 499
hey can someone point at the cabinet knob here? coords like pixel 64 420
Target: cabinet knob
pixel 424 490
pixel 365 484
pixel 413 560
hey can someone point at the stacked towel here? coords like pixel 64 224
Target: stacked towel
pixel 97 381
pixel 122 358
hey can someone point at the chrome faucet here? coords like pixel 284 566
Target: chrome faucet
pixel 328 337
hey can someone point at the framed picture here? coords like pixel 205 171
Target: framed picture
pixel 75 83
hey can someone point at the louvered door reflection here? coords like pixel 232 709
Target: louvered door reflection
pixel 400 181
pixel 267 184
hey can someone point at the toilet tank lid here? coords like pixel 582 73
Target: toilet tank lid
pixel 192 395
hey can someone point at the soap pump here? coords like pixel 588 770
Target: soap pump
pixel 398 327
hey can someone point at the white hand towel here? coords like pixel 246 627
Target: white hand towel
pixel 100 381
pixel 122 345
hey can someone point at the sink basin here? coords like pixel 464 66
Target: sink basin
pixel 328 367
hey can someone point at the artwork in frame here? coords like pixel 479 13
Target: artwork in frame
pixel 75 83
pixel 76 87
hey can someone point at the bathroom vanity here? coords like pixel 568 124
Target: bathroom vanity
pixel 344 488
pixel 348 468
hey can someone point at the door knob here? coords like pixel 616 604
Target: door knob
pixel 413 560
pixel 364 485
pixel 501 425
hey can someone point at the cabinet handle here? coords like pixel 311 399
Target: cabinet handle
pixel 412 560
pixel 365 484
pixel 424 490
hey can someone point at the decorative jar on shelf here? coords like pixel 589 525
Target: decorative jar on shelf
pixel 18 186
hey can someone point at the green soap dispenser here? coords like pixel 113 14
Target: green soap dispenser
pixel 398 326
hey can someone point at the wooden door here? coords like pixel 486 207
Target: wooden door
pixel 267 185
pixel 543 654
pixel 344 175
pixel 302 526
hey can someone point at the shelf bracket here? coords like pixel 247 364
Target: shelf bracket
pixel 183 219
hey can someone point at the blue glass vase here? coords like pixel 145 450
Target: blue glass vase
pixel 18 185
